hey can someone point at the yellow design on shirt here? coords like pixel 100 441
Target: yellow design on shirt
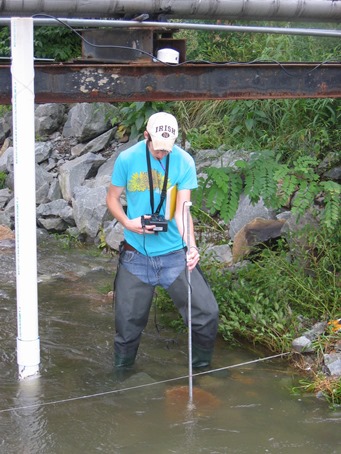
pixel 139 181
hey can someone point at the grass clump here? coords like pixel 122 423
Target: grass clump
pixel 325 386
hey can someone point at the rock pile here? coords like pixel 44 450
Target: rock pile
pixel 74 155
pixel 307 346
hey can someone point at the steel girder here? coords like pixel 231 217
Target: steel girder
pixel 69 83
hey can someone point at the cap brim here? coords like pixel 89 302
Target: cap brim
pixel 163 144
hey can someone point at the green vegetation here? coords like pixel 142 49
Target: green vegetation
pixel 4 110
pixel 287 126
pixel 133 117
pixel 217 46
pixel 5 42
pixel 3 177
pixel 328 387
pixel 265 300
pixel 47 43
pixel 264 177
pixel 69 240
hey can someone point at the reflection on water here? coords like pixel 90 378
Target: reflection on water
pixel 80 405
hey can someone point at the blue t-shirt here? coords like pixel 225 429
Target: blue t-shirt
pixel 131 171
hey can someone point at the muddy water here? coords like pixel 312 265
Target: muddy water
pixel 80 405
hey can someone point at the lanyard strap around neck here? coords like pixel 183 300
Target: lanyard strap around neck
pixel 151 186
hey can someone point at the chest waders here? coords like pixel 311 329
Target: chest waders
pixel 132 303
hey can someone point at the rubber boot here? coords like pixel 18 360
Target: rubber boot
pixel 201 357
pixel 124 361
pixel 123 368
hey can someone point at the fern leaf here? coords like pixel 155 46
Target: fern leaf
pixel 331 215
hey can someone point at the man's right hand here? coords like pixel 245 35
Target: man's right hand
pixel 135 225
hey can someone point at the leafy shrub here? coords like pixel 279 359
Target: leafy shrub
pixel 5 42
pixel 265 300
pixel 248 309
pixel 133 116
pixel 58 43
pixel 263 176
pixel 47 43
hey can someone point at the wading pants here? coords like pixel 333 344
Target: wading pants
pixel 132 303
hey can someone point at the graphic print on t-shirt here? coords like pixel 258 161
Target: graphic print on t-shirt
pixel 139 182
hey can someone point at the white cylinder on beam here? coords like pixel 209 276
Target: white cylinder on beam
pixel 22 68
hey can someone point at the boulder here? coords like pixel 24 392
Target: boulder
pixel 73 173
pixel 332 362
pixel 247 212
pixel 43 151
pixel 55 216
pixel 219 158
pixel 6 219
pixel 7 215
pixel 90 209
pixel 5 196
pixel 5 126
pixel 6 144
pixel 113 232
pixel 95 145
pixel 54 191
pixel 220 253
pixel 302 344
pixel 86 121
pixel 56 209
pixel 43 181
pixel 53 225
pixel 255 232
pixel 48 118
pixel 333 174
pixel 6 160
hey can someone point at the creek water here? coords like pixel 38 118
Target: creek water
pixel 79 404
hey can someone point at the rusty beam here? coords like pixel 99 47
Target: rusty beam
pixel 69 83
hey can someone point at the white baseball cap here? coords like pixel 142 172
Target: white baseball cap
pixel 163 130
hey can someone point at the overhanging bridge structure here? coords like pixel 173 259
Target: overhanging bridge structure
pixel 118 52
pixel 97 82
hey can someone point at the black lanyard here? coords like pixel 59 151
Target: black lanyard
pixel 151 187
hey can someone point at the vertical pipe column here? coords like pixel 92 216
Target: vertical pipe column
pixel 22 68
pixel 189 308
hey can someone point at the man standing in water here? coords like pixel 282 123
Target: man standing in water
pixel 154 250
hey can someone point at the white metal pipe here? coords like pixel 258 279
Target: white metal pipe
pixel 113 23
pixel 188 26
pixel 28 348
pixel 279 10
pixel 189 307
